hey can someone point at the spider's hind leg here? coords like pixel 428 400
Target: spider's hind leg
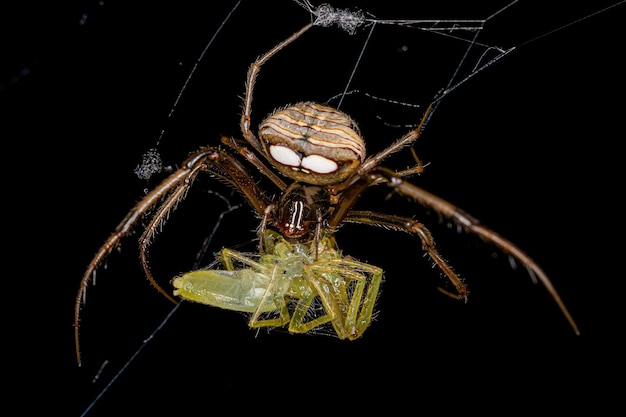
pixel 470 224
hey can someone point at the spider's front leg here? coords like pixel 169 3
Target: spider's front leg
pixel 253 72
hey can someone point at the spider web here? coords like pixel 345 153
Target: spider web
pixel 382 64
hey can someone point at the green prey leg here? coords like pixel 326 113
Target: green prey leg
pixel 299 322
pixel 351 313
pixel 278 298
pixel 365 307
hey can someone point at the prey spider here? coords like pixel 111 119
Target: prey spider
pixel 316 158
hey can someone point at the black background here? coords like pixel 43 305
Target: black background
pixel 530 146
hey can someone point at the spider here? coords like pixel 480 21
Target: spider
pixel 316 158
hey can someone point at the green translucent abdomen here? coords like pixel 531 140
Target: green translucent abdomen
pixel 240 290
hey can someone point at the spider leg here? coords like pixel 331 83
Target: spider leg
pixel 350 193
pixel 124 227
pixel 253 72
pixel 406 140
pixel 177 195
pixel 217 162
pixel 254 160
pixel 170 192
pixel 418 168
pixel 414 227
pixel 472 225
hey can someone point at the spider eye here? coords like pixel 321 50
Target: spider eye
pixel 314 163
pixel 319 164
pixel 313 143
pixel 285 156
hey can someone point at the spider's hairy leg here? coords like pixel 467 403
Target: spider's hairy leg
pixel 168 193
pixel 472 225
pixel 177 195
pixel 211 160
pixel 254 160
pixel 418 168
pixel 414 227
pixel 406 140
pixel 253 72
pixel 125 226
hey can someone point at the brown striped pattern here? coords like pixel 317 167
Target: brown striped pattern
pixel 314 129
